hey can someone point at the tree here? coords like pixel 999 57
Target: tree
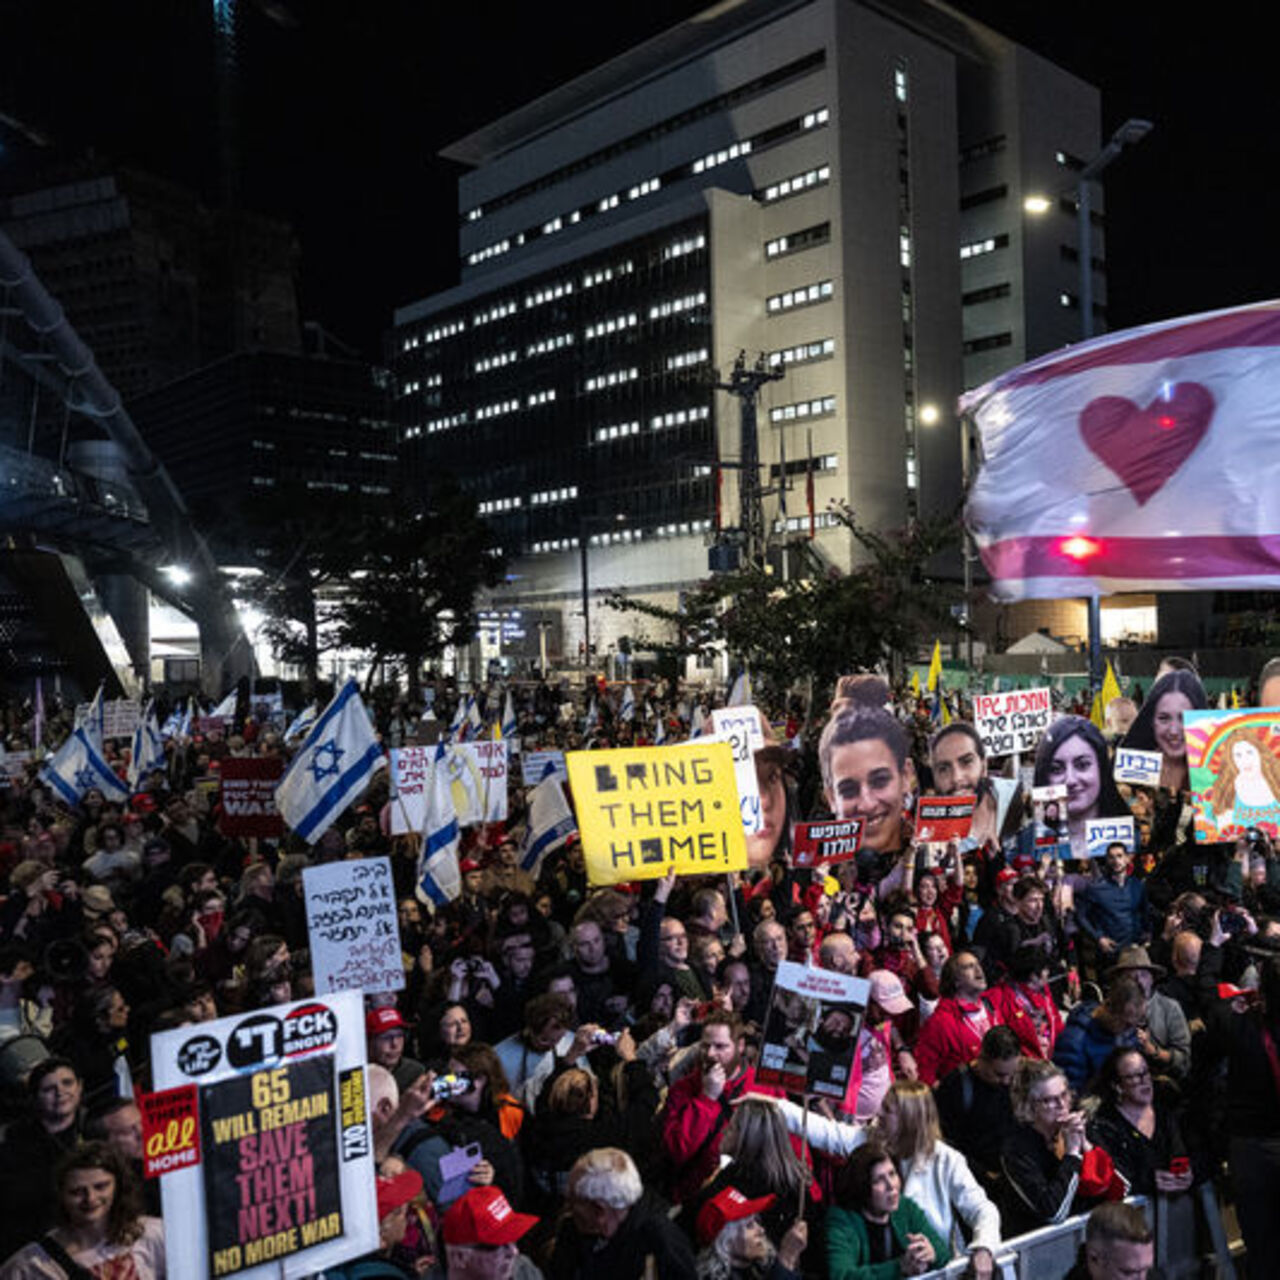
pixel 815 629
pixel 417 570
pixel 302 557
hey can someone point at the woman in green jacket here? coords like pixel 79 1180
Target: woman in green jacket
pixel 877 1233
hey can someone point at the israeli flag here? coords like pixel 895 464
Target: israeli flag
pixel 459 718
pixel 660 733
pixel 593 718
pixel 698 725
pixel 628 709
pixel 170 727
pixel 94 719
pixel 227 707
pixel 302 723
pixel 148 748
pixel 551 823
pixel 510 725
pixel 475 724
pixel 78 766
pixel 332 768
pixel 439 880
pixel 740 695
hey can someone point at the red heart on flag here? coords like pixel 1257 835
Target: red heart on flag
pixel 1144 447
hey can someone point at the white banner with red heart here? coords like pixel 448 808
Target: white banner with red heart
pixel 1144 460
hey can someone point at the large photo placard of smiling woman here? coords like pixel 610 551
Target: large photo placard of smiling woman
pixel 1234 759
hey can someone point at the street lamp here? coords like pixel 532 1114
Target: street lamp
pixel 585 525
pixel 1127 135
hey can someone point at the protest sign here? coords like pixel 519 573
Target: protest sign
pixel 248 803
pixel 1099 833
pixel 268 708
pixel 285 1182
pixel 816 842
pixel 120 716
pixel 1233 758
pixel 271 1163
pixel 170 1130
pixel 1011 723
pixel 740 727
pixel 352 927
pixel 811 1030
pixel 1049 811
pixel 943 818
pixel 490 763
pixel 477 777
pixel 1140 768
pixel 14 763
pixel 534 766
pixel 645 811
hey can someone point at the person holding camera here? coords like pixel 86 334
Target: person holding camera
pixel 471 1110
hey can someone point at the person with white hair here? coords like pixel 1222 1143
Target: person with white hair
pixel 616 1228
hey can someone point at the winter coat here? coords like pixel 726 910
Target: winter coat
pixel 1084 1044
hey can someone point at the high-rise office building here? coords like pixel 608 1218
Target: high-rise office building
pixel 155 281
pixel 838 184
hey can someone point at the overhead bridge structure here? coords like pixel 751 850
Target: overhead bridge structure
pixel 89 518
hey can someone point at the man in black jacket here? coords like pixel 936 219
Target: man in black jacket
pixel 615 1226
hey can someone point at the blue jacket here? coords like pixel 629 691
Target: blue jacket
pixel 1109 910
pixel 1083 1045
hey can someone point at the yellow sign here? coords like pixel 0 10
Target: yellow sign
pixel 645 811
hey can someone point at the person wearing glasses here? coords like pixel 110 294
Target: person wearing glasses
pixel 1050 1168
pixel 1138 1128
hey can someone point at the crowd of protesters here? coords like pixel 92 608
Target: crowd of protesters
pixel 1044 1036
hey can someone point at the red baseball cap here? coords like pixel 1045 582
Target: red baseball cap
pixel 398 1190
pixel 379 1021
pixel 483 1216
pixel 469 864
pixel 727 1206
pixel 1005 874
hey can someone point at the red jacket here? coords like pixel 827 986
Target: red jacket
pixel 1016 1014
pixel 693 1124
pixel 949 1038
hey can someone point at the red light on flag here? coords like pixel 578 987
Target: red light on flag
pixel 1079 548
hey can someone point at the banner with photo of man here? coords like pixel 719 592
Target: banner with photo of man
pixel 811 1030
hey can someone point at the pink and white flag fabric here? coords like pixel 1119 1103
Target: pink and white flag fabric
pixel 1143 460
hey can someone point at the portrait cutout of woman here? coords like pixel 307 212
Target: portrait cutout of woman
pixel 1246 792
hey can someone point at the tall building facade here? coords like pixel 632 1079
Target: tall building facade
pixel 263 427
pixel 837 184
pixel 155 281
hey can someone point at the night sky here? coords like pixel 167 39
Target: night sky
pixel 344 103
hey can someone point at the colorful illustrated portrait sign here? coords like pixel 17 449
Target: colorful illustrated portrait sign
pixel 1234 762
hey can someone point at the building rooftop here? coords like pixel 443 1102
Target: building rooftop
pixel 695 37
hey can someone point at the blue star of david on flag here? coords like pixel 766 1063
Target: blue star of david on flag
pixel 324 760
pixel 77 766
pixel 332 767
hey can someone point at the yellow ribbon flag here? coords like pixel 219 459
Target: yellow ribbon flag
pixel 935 667
pixel 1110 688
pixel 1235 699
pixel 915 683
pixel 1096 716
